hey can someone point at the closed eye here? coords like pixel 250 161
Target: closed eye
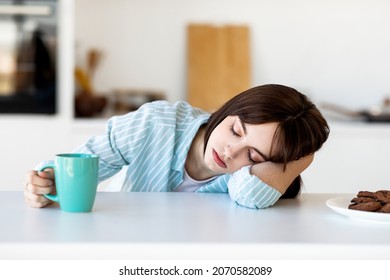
pixel 234 132
pixel 264 157
pixel 254 157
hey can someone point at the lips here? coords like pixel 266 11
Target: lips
pixel 218 160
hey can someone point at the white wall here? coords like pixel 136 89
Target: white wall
pixel 355 158
pixel 335 50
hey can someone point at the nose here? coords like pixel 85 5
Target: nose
pixel 231 151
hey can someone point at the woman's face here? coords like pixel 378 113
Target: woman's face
pixel 234 144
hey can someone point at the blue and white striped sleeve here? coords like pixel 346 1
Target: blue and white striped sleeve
pixel 122 141
pixel 249 191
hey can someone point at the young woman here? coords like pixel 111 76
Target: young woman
pixel 254 147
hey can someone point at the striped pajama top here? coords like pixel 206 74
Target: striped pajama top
pixel 152 144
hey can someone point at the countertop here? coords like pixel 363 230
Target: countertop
pixel 190 225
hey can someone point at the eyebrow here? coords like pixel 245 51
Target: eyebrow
pixel 258 151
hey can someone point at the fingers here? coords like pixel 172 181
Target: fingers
pixel 37 184
pixel 40 182
pixel 34 200
pixel 47 173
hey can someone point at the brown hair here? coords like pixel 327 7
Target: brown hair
pixel 302 129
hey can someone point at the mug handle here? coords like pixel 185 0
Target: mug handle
pixel 52 197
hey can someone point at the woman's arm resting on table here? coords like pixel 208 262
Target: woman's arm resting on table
pixel 261 185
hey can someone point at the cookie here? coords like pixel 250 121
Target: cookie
pixel 363 199
pixel 385 192
pixel 366 194
pixel 385 208
pixel 378 201
pixel 383 197
pixel 371 206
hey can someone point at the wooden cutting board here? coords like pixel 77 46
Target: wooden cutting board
pixel 218 60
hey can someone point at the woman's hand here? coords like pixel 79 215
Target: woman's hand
pixel 274 174
pixel 37 184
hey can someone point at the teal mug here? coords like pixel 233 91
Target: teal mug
pixel 76 180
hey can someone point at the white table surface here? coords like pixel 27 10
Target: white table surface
pixel 187 225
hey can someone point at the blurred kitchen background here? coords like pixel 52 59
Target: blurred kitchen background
pixel 68 65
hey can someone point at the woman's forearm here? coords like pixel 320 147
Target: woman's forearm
pixel 274 174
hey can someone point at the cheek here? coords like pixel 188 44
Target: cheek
pixel 207 156
pixel 213 142
pixel 238 164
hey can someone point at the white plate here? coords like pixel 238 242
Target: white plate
pixel 340 205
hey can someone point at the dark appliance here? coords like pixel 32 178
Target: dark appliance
pixel 28 56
